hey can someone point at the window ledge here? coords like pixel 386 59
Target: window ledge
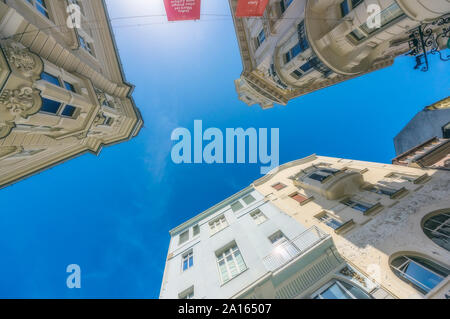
pixel 306 201
pixel 374 209
pixel 344 227
pixel 400 193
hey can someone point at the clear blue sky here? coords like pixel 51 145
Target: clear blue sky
pixel 111 214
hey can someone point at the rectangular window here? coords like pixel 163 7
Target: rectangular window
pixel 196 230
pixel 317 177
pixel 40 6
pixel 278 237
pixel 278 186
pixel 382 190
pixel 236 206
pixel 68 111
pixel 50 106
pixel 292 53
pixel 386 16
pixel 258 217
pixel 230 263
pixel 306 66
pixel 344 8
pixel 357 35
pixel 356 3
pixel 218 224
pixel 299 198
pixel 362 207
pixel 296 74
pixel 261 37
pixel 248 199
pixel 330 221
pixel 69 86
pixel 284 4
pixel 86 45
pixel 50 78
pixel 187 260
pixel 184 237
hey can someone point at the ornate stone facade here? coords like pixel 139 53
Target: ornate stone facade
pixel 301 46
pixel 58 99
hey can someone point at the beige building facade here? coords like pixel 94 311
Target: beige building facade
pixel 389 222
pixel 300 46
pixel 63 91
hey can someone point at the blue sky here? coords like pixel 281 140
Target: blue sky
pixel 111 214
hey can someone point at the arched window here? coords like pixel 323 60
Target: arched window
pixel 337 289
pixel 437 228
pixel 421 273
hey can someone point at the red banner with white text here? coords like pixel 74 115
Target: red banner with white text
pixel 251 8
pixel 177 10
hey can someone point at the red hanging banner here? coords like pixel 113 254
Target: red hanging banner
pixel 177 10
pixel 251 8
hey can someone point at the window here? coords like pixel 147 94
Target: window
pixel 446 131
pixel 187 294
pixel 296 74
pixel 421 273
pixel 299 198
pixel 258 217
pixel 437 228
pixel 329 221
pixel 68 111
pixel 218 224
pixel 187 260
pixel 338 289
pixel 344 8
pixel 386 16
pixel 405 177
pixel 318 177
pixel 284 4
pixel 86 45
pixel 260 38
pixel 358 205
pixel 248 199
pixel 230 263
pixel 278 237
pixel 356 3
pixel 236 206
pixel 278 186
pixel 382 190
pixel 292 53
pixel 40 6
pixel 196 230
pixel 69 86
pixel 323 173
pixel 50 106
pixel 50 78
pixel 184 237
pixel 57 108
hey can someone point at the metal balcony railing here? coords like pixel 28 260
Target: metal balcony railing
pixel 286 251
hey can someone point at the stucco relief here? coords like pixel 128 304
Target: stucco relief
pixel 15 104
pixel 24 62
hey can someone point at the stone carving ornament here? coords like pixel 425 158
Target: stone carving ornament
pixel 23 61
pixel 15 104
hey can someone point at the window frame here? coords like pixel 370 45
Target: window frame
pixel 222 255
pixel 188 258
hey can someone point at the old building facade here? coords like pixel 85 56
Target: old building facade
pixel 63 91
pixel 300 46
pixel 246 247
pixel 389 222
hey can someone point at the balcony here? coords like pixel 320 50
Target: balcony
pixel 289 250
